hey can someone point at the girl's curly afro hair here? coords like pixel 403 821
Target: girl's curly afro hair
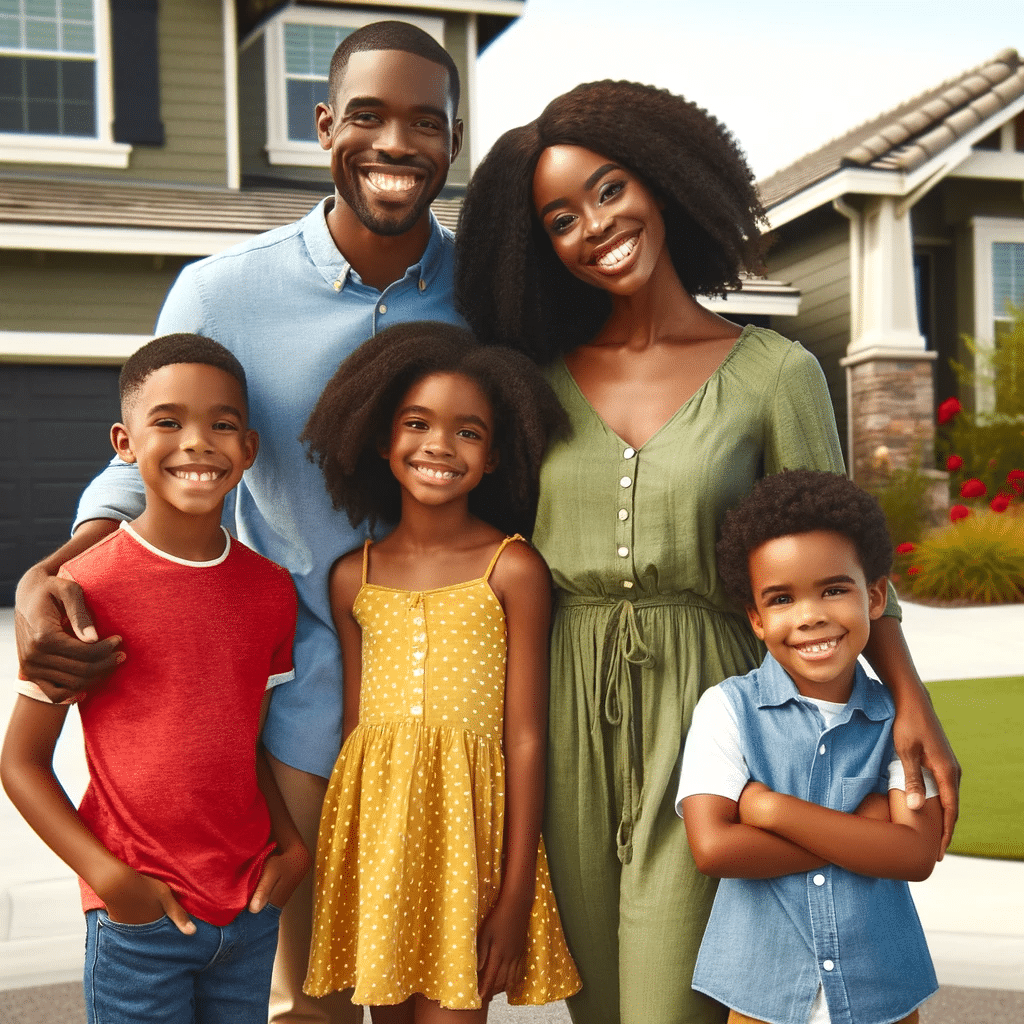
pixel 513 289
pixel 351 422
pixel 801 501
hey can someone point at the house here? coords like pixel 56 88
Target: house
pixel 902 235
pixel 136 136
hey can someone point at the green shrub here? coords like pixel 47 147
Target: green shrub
pixel 903 499
pixel 977 559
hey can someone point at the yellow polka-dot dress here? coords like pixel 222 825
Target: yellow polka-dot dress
pixel 408 861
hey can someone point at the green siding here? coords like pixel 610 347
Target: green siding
pixel 95 294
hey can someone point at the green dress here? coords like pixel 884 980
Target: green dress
pixel 642 627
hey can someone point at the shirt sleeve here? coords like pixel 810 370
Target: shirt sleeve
pixel 898 779
pixel 182 311
pixel 282 666
pixel 713 760
pixel 116 493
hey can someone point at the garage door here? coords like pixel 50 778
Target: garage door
pixel 54 436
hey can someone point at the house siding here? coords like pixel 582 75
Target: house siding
pixel 819 265
pixel 88 293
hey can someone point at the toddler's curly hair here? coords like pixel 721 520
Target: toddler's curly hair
pixel 801 501
pixel 351 422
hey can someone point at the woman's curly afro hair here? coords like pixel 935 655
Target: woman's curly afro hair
pixel 513 289
pixel 801 501
pixel 351 422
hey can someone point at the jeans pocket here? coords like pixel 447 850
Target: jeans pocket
pixel 106 921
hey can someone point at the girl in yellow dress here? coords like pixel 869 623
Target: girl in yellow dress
pixel 432 889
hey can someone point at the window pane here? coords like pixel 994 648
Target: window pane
pixel 42 78
pixel 48 97
pixel 41 8
pixel 41 35
pixel 10 33
pixel 77 38
pixel 12 115
pixel 302 98
pixel 43 117
pixel 1007 276
pixel 308 48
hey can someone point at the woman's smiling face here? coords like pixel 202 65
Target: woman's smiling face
pixel 603 222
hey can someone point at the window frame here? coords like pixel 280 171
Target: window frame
pixel 98 151
pixel 280 149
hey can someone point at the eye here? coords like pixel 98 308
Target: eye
pixel 470 433
pixel 560 224
pixel 167 423
pixel 225 425
pixel 779 599
pixel 415 424
pixel 365 117
pixel 429 123
pixel 609 190
pixel 836 591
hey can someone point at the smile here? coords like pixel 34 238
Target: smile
pixel 818 646
pixel 196 476
pixel 394 185
pixel 613 258
pixel 437 474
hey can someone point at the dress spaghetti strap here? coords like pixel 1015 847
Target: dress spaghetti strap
pixel 501 547
pixel 366 557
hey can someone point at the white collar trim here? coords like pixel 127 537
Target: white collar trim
pixel 127 527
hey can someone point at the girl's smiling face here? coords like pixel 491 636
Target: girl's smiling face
pixel 442 439
pixel 603 222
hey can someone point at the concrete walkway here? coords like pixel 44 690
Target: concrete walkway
pixel 972 909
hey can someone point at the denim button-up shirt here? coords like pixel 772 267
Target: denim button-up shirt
pixel 770 941
pixel 291 308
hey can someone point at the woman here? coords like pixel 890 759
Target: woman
pixel 584 238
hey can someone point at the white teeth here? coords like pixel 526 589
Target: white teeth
pixel 195 477
pixel 618 254
pixel 437 474
pixel 391 182
pixel 820 647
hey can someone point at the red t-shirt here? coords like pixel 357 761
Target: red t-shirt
pixel 170 738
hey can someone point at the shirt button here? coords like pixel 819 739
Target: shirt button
pixel 628 584
pixel 623 551
pixel 423 285
pixel 827 964
pixel 819 879
pixel 623 514
pixel 416 709
pixel 821 749
pixel 629 453
pixel 382 308
pixel 625 481
pixel 337 285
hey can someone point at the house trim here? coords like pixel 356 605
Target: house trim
pixel 231 125
pixel 153 241
pixel 68 348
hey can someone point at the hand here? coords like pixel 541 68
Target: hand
pixel 874 806
pixel 60 662
pixel 919 739
pixel 501 945
pixel 754 804
pixel 282 872
pixel 134 898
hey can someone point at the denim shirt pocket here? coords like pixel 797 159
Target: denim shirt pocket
pixel 855 788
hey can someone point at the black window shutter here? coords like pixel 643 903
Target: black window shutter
pixel 136 72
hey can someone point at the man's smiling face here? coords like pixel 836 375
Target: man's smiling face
pixel 392 134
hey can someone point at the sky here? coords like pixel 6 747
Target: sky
pixel 784 75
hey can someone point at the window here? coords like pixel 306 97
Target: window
pixel 1007 283
pixel 298 44
pixel 54 83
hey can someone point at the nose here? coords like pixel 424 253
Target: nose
pixel 811 614
pixel 596 222
pixel 194 439
pixel 392 139
pixel 437 443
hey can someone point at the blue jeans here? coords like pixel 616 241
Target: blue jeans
pixel 153 974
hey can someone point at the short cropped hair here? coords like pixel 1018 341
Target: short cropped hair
pixel 170 349
pixel 801 501
pixel 393 35
pixel 510 285
pixel 351 422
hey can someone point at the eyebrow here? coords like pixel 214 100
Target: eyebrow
pixel 172 408
pixel 462 417
pixel 587 186
pixel 782 588
pixel 376 103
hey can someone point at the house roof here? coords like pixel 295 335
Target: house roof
pixel 909 135
pixel 123 205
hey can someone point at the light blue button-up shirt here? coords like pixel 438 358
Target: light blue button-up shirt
pixel 770 941
pixel 290 307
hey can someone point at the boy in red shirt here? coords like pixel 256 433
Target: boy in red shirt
pixel 182 844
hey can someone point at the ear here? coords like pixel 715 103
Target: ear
pixel 492 461
pixel 251 444
pixel 122 442
pixel 457 130
pixel 878 597
pixel 755 621
pixel 324 119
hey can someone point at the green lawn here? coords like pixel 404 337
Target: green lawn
pixel 984 719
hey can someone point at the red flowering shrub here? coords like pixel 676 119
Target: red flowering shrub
pixel 948 409
pixel 999 503
pixel 958 512
pixel 953 463
pixel 913 570
pixel 905 548
pixel 1015 478
pixel 973 488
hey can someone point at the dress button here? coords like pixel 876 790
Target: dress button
pixel 416 709
pixel 821 749
pixel 382 308
pixel 623 551
pixel 819 879
pixel 827 964
pixel 629 453
pixel 423 285
pixel 623 514
pixel 625 481
pixel 628 584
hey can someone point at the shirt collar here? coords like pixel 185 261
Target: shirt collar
pixel 336 270
pixel 868 695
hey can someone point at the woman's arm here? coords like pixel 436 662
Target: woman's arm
pixel 26 766
pixel 905 847
pixel 917 732
pixel 345 580
pixel 523 585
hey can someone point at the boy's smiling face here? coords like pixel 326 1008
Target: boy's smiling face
pixel 187 428
pixel 813 609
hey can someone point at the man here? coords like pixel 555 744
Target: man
pixel 291 304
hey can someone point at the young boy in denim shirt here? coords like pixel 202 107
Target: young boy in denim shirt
pixel 182 844
pixel 784 773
